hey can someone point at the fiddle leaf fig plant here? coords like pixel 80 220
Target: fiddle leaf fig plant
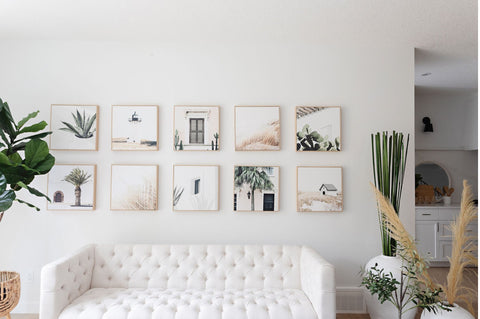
pixel 23 156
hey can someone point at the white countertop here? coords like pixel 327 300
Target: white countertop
pixel 438 205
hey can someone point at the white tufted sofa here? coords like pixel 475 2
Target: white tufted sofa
pixel 188 281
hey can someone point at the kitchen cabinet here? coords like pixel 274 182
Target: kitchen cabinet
pixel 432 230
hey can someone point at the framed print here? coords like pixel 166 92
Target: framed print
pixel 134 128
pixel 134 187
pixel 195 188
pixel 72 187
pixel 74 127
pixel 256 188
pixel 257 128
pixel 319 189
pixel 196 128
pixel 318 128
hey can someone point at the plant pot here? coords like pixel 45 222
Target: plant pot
pixel 456 313
pixel 387 309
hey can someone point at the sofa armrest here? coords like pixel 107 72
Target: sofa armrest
pixel 64 280
pixel 318 283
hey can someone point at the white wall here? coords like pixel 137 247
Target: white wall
pixel 454 115
pixel 453 142
pixel 373 84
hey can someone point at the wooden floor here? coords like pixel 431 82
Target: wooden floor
pixel 438 275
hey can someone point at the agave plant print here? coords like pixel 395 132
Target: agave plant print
pixel 71 187
pixel 74 127
pixel 134 187
pixel 318 128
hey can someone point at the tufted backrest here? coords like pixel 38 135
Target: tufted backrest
pixel 217 267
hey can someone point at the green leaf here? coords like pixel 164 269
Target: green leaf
pixel 34 128
pixel 15 174
pixel 33 191
pixel 3 183
pixel 4 160
pixel 46 165
pixel 26 119
pixel 6 199
pixel 28 204
pixel 19 147
pixel 4 137
pixel 40 135
pixel 6 120
pixel 15 158
pixel 35 152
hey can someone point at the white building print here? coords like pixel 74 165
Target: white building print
pixel 264 200
pixel 328 189
pixel 197 127
pixel 199 185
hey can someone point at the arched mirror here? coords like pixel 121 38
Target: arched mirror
pixel 431 173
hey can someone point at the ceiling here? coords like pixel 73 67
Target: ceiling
pixel 444 31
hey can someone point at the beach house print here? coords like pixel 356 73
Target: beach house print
pixel 319 189
pixel 256 188
pixel 328 189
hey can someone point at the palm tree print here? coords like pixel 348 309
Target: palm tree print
pixel 78 177
pixel 83 126
pixel 255 177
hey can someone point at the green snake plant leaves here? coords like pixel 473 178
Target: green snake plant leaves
pixel 389 158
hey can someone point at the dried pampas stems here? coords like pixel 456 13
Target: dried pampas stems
pixel 462 251
pixel 407 248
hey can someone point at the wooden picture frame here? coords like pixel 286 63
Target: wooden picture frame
pixel 63 137
pixel 194 189
pixel 133 201
pixel 241 193
pixel 309 198
pixel 139 132
pixel 261 133
pixel 309 114
pixel 198 126
pixel 57 194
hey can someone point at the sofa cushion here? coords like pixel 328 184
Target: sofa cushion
pixel 215 267
pixel 151 303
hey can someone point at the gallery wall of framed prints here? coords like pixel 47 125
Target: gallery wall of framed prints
pixel 196 187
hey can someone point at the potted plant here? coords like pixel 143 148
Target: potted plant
pixel 462 256
pixel 412 287
pixel 18 139
pixel 389 156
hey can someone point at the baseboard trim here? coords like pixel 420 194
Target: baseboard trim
pixel 27 308
pixel 350 300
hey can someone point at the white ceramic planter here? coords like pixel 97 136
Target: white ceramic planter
pixel 447 200
pixel 386 310
pixel 456 313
